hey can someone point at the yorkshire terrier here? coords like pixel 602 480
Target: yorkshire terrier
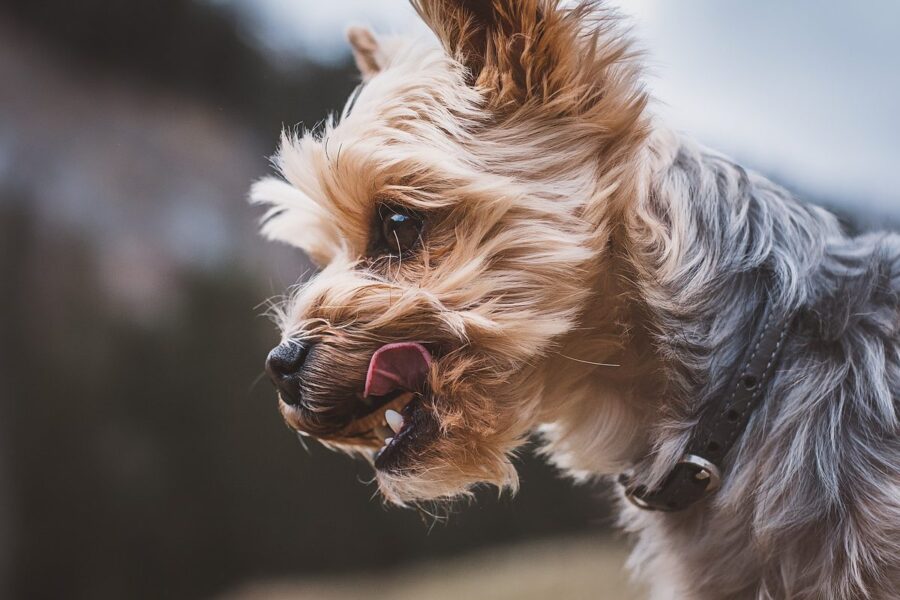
pixel 512 245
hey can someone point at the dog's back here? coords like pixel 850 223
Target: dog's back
pixel 828 476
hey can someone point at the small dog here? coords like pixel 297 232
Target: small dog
pixel 510 243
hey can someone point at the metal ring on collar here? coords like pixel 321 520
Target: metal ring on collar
pixel 707 471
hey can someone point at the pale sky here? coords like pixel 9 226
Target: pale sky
pixel 806 90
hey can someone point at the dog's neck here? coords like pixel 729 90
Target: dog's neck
pixel 604 383
pixel 671 303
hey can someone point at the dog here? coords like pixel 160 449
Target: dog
pixel 512 245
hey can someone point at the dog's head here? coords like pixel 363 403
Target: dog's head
pixel 457 210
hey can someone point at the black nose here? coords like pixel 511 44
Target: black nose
pixel 283 367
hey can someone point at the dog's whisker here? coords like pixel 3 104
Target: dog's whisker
pixel 255 382
pixel 587 362
pixel 399 255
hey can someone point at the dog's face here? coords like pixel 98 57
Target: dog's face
pixel 448 212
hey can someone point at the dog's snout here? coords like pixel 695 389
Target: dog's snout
pixel 283 367
pixel 286 359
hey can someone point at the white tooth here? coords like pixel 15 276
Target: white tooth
pixel 394 419
pixel 387 441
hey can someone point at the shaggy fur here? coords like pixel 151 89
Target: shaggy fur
pixel 585 273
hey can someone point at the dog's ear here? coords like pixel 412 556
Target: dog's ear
pixel 514 50
pixel 367 52
pixel 573 60
pixel 462 26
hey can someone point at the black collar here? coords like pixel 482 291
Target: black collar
pixel 699 471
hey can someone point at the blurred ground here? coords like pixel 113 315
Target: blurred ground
pixel 572 569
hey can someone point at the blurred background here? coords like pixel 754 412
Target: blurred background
pixel 141 453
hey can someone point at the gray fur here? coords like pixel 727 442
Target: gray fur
pixel 810 506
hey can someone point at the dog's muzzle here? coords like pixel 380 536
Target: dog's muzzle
pixel 283 365
pixel 382 412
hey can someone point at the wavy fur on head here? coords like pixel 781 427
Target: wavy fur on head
pixel 585 273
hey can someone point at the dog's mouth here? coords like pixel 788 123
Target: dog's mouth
pixel 390 409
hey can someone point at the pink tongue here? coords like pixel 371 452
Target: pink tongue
pixel 403 365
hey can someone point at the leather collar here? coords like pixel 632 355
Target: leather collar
pixel 699 471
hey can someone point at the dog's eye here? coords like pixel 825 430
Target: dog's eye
pixel 400 229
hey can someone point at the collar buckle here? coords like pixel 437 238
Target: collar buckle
pixel 706 471
pixel 695 471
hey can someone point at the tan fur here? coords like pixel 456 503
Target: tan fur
pixel 367 52
pixel 502 285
